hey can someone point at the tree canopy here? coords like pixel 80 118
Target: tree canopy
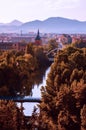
pixel 16 69
pixel 64 96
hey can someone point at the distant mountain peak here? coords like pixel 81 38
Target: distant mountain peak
pixel 50 25
pixel 16 23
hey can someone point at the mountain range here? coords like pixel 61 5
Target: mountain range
pixel 50 25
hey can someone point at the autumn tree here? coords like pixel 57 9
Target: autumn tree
pixel 10 116
pixel 16 69
pixel 64 96
pixel 83 118
pixel 29 48
pixel 80 43
pixel 52 44
pixel 14 74
pixel 39 57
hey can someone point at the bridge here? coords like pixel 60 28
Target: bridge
pixel 52 53
pixel 21 99
pixel 51 59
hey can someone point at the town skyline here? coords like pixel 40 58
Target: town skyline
pixel 26 10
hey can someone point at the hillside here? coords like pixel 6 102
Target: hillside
pixel 50 25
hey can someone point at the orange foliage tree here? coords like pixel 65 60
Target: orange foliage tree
pixel 64 96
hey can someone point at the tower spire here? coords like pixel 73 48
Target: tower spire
pixel 38 36
pixel 38 39
pixel 38 32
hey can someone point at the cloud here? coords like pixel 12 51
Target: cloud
pixel 59 4
pixel 41 9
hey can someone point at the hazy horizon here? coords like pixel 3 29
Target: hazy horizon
pixel 39 20
pixel 29 10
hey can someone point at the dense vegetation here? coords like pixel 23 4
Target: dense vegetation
pixel 18 72
pixel 80 43
pixel 17 68
pixel 11 116
pixel 63 104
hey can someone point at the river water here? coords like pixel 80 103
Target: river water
pixel 28 107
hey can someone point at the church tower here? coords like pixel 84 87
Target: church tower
pixel 38 40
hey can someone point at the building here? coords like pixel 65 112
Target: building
pixel 65 39
pixel 19 43
pixel 38 40
pixel 6 46
pixel 25 39
pixel 20 46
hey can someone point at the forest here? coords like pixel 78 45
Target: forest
pixel 16 69
pixel 63 102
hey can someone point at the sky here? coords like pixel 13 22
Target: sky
pixel 29 10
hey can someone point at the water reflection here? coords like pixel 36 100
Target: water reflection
pixel 36 80
pixel 28 107
pixel 36 90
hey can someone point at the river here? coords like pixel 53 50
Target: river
pixel 28 107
